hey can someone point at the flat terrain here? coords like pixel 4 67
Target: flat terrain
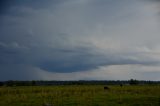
pixel 81 95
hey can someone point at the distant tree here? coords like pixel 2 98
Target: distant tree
pixel 133 82
pixel 1 83
pixel 10 83
pixel 33 82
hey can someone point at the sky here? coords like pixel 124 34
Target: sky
pixel 79 39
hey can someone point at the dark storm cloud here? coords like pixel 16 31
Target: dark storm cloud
pixel 17 72
pixel 61 38
pixel 62 60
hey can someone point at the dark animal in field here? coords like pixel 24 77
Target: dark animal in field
pixel 106 88
pixel 121 85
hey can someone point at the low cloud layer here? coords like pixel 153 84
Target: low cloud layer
pixel 79 39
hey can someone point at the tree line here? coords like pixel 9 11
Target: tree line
pixel 80 82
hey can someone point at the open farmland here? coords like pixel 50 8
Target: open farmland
pixel 81 95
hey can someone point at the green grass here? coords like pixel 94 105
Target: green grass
pixel 81 95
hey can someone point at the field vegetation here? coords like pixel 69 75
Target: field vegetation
pixel 80 95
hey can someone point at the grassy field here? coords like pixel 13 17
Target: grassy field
pixel 81 95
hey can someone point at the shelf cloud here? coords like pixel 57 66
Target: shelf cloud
pixel 79 40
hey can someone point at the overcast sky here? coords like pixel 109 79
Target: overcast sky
pixel 79 39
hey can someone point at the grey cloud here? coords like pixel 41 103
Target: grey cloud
pixel 18 72
pixel 77 37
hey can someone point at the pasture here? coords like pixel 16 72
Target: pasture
pixel 80 95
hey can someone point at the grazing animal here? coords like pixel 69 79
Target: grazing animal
pixel 106 88
pixel 121 85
